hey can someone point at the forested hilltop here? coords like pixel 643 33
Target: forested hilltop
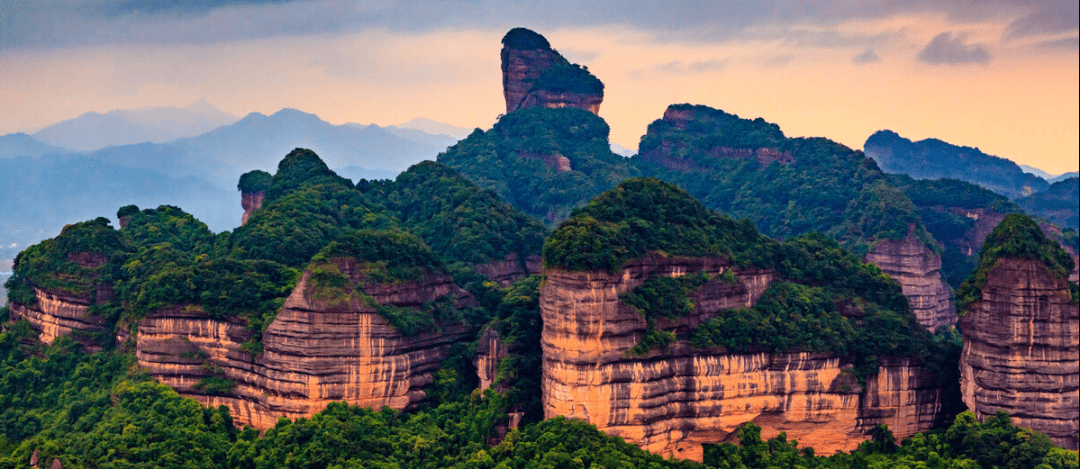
pixel 728 288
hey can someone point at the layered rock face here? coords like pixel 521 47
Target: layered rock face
pixel 314 353
pixel 523 65
pixel 1021 352
pixel 510 269
pixel 918 270
pixel 672 402
pixel 57 314
pixel 251 201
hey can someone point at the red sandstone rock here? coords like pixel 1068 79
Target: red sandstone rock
pixel 1021 351
pixel 673 402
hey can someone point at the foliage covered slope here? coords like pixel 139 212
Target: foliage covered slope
pixel 507 159
pixel 786 186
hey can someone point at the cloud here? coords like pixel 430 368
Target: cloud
pixel 1068 43
pixel 679 67
pixel 867 56
pixel 57 23
pixel 1048 17
pixel 779 60
pixel 803 23
pixel 944 49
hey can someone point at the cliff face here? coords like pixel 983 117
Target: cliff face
pixel 251 201
pixel 671 402
pixel 510 269
pixel 919 272
pixel 1020 350
pixel 57 314
pixel 523 67
pixel 314 353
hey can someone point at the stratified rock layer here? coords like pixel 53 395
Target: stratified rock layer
pixel 672 402
pixel 918 270
pixel 523 67
pixel 57 313
pixel 510 269
pixel 314 353
pixel 1021 352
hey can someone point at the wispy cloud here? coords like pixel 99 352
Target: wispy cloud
pixel 803 23
pixel 1046 17
pixel 867 56
pixel 680 67
pixel 945 49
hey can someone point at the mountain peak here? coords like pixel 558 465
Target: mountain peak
pixel 535 75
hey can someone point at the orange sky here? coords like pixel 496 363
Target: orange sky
pixel 1019 100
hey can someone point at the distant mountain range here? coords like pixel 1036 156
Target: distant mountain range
pixel 1054 198
pixel 93 131
pixel 1045 175
pixel 935 159
pixel 49 184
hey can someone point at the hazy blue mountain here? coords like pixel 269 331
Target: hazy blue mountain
pixel 622 151
pixel 1068 175
pixel 92 131
pixel 935 159
pixel 21 144
pixel 40 195
pixel 45 187
pixel 259 141
pixel 1036 171
pixel 436 128
pixel 1060 203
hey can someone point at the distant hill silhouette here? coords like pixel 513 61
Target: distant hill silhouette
pixel 93 131
pixel 935 159
pixel 46 186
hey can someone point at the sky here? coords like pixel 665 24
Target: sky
pixel 1000 75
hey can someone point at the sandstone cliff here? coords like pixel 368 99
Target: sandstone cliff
pixel 314 352
pixel 535 75
pixel 918 270
pixel 250 201
pixel 1020 350
pixel 55 312
pixel 672 402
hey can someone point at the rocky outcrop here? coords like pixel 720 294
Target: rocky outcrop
pixel 251 201
pixel 918 270
pixel 510 269
pixel 313 353
pixel 557 161
pixel 535 75
pixel 490 349
pixel 57 313
pixel 1021 351
pixel 682 118
pixel 671 402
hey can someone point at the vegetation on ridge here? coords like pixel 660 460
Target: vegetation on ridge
pixel 508 159
pixel 1017 236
